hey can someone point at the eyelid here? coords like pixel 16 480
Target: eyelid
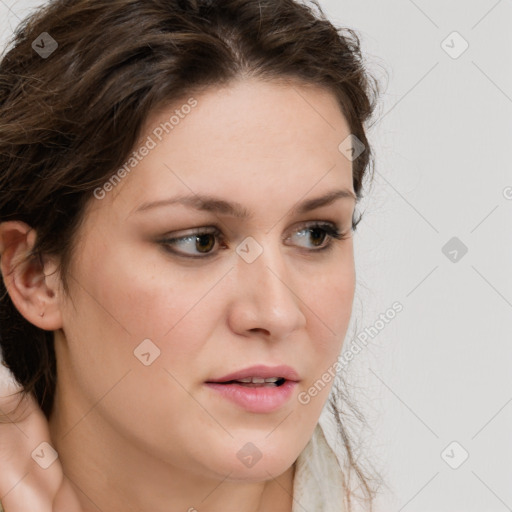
pixel 213 229
pixel 332 231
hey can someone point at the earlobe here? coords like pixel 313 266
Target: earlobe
pixel 34 295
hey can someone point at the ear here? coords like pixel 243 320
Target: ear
pixel 34 288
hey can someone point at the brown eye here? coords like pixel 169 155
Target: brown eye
pixel 317 232
pixel 318 235
pixel 201 241
pixel 200 244
pixel 205 242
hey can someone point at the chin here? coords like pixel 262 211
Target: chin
pixel 256 464
pixel 261 471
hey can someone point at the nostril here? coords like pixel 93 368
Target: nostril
pixel 259 329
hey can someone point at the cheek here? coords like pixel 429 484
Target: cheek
pixel 125 301
pixel 117 308
pixel 330 307
pixel 136 291
pixel 328 300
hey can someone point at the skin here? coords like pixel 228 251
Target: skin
pixel 136 438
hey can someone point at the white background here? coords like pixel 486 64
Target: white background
pixel 441 370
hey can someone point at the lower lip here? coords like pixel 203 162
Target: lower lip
pixel 262 399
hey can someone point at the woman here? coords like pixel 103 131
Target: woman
pixel 177 202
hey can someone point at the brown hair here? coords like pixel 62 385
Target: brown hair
pixel 70 117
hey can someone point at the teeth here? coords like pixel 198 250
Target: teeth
pixel 259 380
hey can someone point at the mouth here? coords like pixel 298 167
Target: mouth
pixel 256 382
pixel 259 389
pixel 259 375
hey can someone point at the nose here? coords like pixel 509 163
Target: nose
pixel 266 297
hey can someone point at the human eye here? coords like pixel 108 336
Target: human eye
pixel 319 232
pixel 199 239
pixel 200 243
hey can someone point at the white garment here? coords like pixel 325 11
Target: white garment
pixel 318 481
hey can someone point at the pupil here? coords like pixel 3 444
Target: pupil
pixel 318 231
pixel 202 237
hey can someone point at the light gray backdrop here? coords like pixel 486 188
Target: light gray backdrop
pixel 435 382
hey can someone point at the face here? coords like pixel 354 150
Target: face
pixel 166 296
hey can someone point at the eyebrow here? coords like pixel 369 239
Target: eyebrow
pixel 214 204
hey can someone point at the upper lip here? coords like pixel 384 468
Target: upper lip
pixel 286 372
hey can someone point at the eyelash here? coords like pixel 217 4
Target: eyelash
pixel 330 229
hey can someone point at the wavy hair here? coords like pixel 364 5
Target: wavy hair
pixel 71 116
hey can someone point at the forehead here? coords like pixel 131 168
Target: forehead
pixel 250 141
